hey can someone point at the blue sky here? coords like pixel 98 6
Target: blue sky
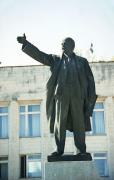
pixel 47 22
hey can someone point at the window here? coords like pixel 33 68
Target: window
pixel 3 122
pixel 101 163
pixel 31 166
pixel 29 120
pixel 3 168
pixel 97 121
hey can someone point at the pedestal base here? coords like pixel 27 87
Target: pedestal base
pixel 78 157
pixel 71 170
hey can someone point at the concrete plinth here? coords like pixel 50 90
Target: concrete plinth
pixel 78 170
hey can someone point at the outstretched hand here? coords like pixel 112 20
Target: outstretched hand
pixel 21 39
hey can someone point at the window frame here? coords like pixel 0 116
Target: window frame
pixel 101 158
pixel 91 121
pixel 26 113
pixel 5 114
pixel 27 164
pixel 4 162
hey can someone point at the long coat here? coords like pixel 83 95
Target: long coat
pixel 85 77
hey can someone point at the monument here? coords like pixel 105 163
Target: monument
pixel 71 95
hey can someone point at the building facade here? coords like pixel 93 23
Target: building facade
pixel 25 141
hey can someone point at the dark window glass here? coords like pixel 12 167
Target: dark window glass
pixel 23 166
pixel 3 171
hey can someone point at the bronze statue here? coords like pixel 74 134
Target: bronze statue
pixel 70 93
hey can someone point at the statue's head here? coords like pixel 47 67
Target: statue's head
pixel 68 45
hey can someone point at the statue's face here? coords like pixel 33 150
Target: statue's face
pixel 67 46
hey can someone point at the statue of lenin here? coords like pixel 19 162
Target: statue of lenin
pixel 71 94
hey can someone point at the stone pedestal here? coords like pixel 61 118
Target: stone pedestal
pixel 71 170
pixel 77 157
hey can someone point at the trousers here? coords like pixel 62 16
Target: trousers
pixel 69 112
pixel 79 140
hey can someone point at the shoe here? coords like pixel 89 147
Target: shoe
pixel 84 156
pixel 56 153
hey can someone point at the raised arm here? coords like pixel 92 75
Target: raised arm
pixel 34 52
